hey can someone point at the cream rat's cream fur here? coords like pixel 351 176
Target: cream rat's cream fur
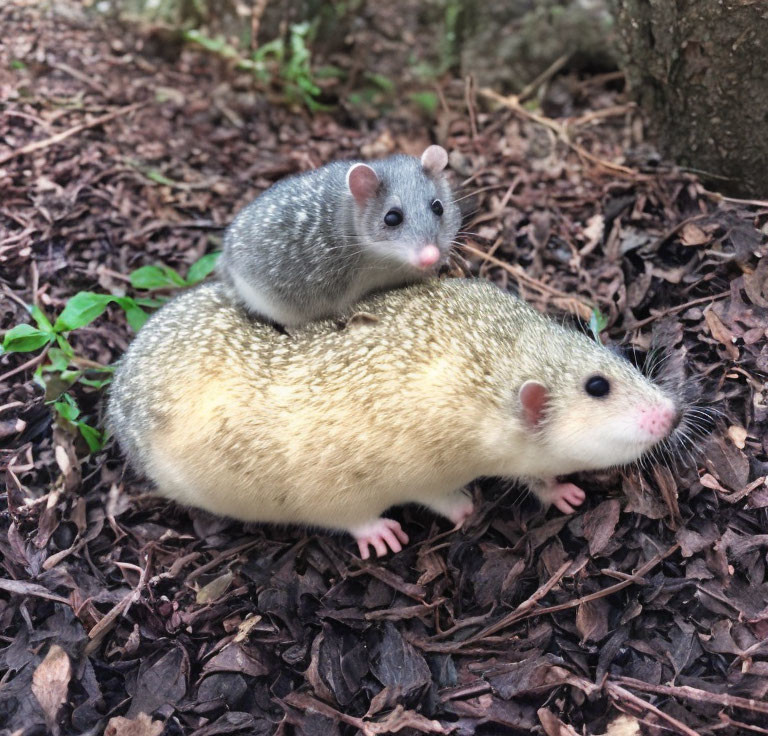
pixel 329 426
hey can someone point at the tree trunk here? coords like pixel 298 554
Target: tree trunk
pixel 700 70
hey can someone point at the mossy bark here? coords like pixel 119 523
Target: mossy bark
pixel 700 70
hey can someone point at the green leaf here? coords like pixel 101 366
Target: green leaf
pixel 67 408
pixel 17 64
pixel 159 178
pixel 24 339
pixel 144 301
pixel 92 436
pixel 202 267
pixel 66 348
pixel 81 310
pixel 135 315
pixel 96 382
pixel 41 320
pixel 155 277
pixel 597 323
pixel 59 360
pixel 427 101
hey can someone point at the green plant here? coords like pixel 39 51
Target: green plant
pixel 597 323
pixel 287 65
pixel 427 101
pixel 64 368
pixel 165 277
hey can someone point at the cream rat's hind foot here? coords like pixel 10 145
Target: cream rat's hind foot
pixel 457 507
pixel 565 496
pixel 379 534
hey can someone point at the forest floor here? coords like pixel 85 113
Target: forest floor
pixel 651 601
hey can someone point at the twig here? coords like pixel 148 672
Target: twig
pixel 523 610
pixel 691 693
pixel 470 96
pixel 11 405
pixel 231 552
pixel 513 103
pixel 679 308
pixel 620 694
pixel 84 78
pixel 99 631
pixel 606 112
pixel 582 308
pixel 735 200
pixel 46 142
pixel 545 76
pixel 19 368
pixel 258 11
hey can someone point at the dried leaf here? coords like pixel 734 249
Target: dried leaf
pixel 721 333
pixel 624 725
pixel 215 589
pixel 592 619
pixel 692 234
pixel 738 435
pixel 728 463
pixel 399 719
pixel 600 524
pixel 51 682
pixel 161 681
pixel 142 725
pixel 553 726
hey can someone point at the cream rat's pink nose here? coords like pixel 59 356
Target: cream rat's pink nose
pixel 659 419
pixel 428 256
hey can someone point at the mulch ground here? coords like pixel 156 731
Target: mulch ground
pixel 651 603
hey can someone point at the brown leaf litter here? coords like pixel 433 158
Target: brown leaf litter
pixel 123 612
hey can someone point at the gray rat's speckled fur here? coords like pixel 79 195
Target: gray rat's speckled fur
pixel 306 249
pixel 329 427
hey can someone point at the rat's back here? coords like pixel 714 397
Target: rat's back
pixel 440 383
pixel 315 243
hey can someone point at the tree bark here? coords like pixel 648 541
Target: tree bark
pixel 700 70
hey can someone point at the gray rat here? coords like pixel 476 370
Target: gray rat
pixel 315 243
pixel 329 427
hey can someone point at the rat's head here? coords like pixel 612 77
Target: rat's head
pixel 591 408
pixel 404 209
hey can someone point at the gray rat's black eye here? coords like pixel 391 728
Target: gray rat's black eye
pixel 437 207
pixel 393 218
pixel 597 386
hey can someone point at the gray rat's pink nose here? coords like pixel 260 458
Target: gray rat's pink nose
pixel 428 256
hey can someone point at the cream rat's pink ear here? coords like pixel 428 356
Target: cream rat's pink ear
pixel 434 160
pixel 362 182
pixel 533 398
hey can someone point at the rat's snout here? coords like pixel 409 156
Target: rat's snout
pixel 428 256
pixel 658 420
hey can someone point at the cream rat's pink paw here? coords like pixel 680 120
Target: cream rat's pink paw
pixel 459 511
pixel 457 507
pixel 379 534
pixel 566 496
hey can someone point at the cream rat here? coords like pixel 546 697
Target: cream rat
pixel 330 426
pixel 315 243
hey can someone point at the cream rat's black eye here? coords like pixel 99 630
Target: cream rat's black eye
pixel 597 386
pixel 393 218
pixel 437 207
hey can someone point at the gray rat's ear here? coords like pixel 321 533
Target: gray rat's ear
pixel 362 182
pixel 434 160
pixel 533 399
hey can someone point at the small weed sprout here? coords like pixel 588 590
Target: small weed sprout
pixel 65 369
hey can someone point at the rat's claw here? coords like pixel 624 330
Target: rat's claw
pixel 379 534
pixel 566 496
